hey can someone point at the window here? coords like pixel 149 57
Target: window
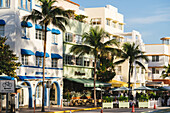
pixel 155 71
pixel 114 24
pixel 120 26
pixel 119 70
pixel 2 30
pixel 24 59
pixel 69 59
pixel 107 22
pixel 39 34
pixel 25 4
pixel 4 3
pixel 54 62
pixel 68 37
pixel 155 58
pixel 78 39
pixel 86 62
pixel 38 91
pixel 25 32
pixel 79 61
pixel 39 61
pixel 142 71
pixel 96 21
pixel 54 38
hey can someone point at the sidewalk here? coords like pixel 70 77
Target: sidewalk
pixel 114 110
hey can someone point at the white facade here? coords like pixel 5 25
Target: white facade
pixel 112 22
pixel 20 37
pixel 158 55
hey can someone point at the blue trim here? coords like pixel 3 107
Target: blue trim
pixel 55 43
pixel 1 3
pixel 25 38
pixel 37 5
pixel 18 100
pixel 41 67
pixel 26 24
pixel 31 5
pixel 6 78
pixel 24 9
pixel 26 52
pixel 55 31
pixel 39 27
pixel 53 55
pixel 30 92
pixel 22 4
pixel 2 22
pixel 58 92
pixel 45 96
pixel 40 73
pixel 41 54
pixel 26 4
pixel 34 77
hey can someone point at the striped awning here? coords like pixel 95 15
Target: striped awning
pixel 89 82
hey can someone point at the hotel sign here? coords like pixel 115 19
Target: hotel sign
pixel 78 73
pixel 7 86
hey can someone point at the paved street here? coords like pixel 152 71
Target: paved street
pixel 114 110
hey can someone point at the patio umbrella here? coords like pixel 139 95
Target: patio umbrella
pixel 98 89
pixel 145 88
pixel 121 89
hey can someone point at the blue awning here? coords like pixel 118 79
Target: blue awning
pixel 35 77
pixel 6 78
pixel 55 31
pixel 26 52
pixel 26 24
pixel 41 54
pixel 39 27
pixel 2 22
pixel 53 55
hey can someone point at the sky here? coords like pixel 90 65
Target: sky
pixel 150 17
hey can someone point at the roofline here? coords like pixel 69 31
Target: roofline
pixel 73 2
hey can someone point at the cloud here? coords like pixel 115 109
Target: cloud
pixel 160 15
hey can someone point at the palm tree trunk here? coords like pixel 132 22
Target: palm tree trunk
pixel 45 38
pixel 95 82
pixel 129 80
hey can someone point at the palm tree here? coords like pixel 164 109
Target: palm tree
pixel 49 14
pixel 133 54
pixel 166 72
pixel 93 45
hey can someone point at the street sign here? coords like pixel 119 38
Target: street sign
pixel 7 86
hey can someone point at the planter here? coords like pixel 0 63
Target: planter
pixel 144 105
pixel 123 104
pixel 107 104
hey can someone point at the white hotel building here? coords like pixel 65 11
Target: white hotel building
pixel 112 22
pixel 26 40
pixel 158 55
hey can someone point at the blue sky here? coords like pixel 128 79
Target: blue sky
pixel 150 17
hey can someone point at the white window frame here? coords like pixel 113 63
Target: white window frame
pixel 79 61
pixel 39 34
pixel 39 61
pixel 68 60
pixel 68 37
pixel 78 39
pixel 54 62
pixel 24 59
pixel 54 38
pixel 155 71
pixel 86 62
pixel 155 58
pixel 4 3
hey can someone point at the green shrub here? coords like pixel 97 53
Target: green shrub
pixel 107 99
pixel 122 98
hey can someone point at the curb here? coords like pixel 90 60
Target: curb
pixel 67 111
